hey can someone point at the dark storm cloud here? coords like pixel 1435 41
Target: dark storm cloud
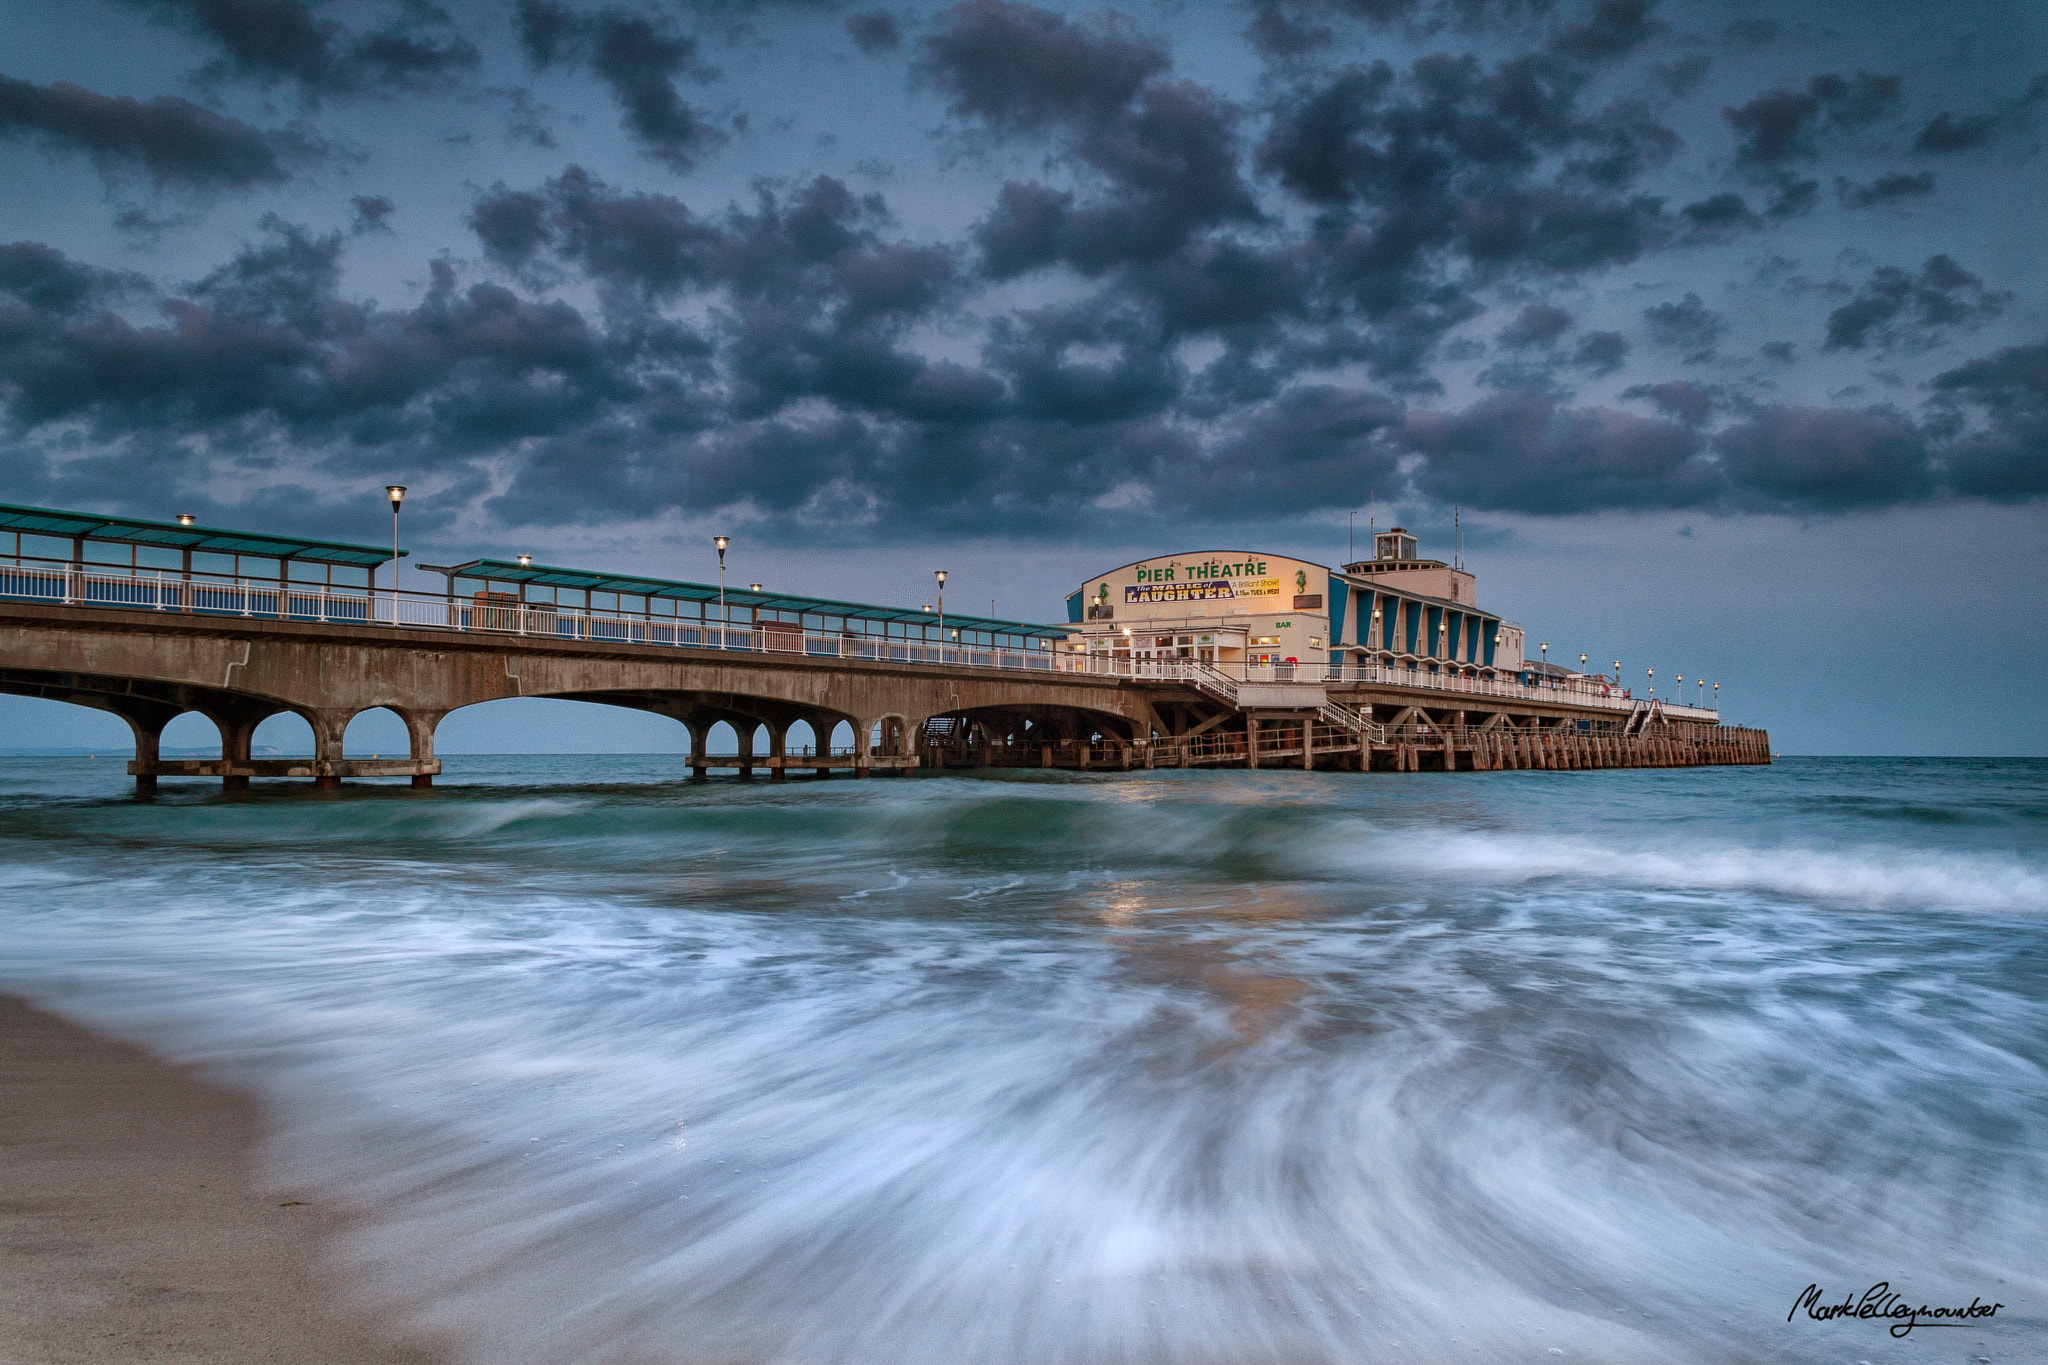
pixel 1522 452
pixel 1159 157
pixel 1897 309
pixel 639 58
pixel 1995 413
pixel 1537 325
pixel 284 41
pixel 1692 404
pixel 1826 459
pixel 1886 189
pixel 1016 67
pixel 1949 132
pixel 874 32
pixel 370 212
pixel 1687 325
pixel 1460 170
pixel 172 141
pixel 266 344
pixel 1601 352
pixel 1790 125
pixel 1315 442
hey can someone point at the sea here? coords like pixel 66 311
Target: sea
pixel 1215 1068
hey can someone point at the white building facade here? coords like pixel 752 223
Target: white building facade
pixel 1234 609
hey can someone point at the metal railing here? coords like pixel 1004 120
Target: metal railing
pixel 171 591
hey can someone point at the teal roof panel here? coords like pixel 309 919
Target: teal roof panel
pixel 44 521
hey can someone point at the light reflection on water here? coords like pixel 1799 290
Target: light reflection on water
pixel 1207 1067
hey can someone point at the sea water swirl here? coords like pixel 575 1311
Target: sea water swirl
pixel 1224 1067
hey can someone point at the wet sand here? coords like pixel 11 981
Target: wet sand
pixel 132 1225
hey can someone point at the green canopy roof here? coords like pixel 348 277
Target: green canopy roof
pixel 504 571
pixel 42 521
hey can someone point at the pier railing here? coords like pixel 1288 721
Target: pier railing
pixel 219 595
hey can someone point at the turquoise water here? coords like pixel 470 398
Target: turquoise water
pixel 1173 1067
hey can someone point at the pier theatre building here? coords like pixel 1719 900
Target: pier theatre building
pixel 1228 608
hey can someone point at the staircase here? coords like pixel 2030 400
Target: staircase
pixel 1338 716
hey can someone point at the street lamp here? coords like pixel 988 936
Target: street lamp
pixel 186 518
pixel 395 492
pixel 1653 680
pixel 1703 691
pixel 1617 672
pixel 1717 696
pixel 526 561
pixel 940 574
pixel 721 542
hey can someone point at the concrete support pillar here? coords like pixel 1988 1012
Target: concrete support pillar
pixel 146 721
pixel 778 748
pixel 863 744
pixel 743 730
pixel 1251 741
pixel 328 728
pixel 419 728
pixel 237 728
pixel 700 734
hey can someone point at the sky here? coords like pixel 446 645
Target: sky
pixel 1719 327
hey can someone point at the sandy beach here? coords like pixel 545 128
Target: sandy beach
pixel 132 1226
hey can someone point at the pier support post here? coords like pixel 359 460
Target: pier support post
pixel 419 728
pixel 778 748
pixel 329 726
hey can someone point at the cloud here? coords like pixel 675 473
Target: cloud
pixel 1826 459
pixel 172 141
pixel 2004 455
pixel 1156 160
pixel 371 211
pixel 1688 325
pixel 1886 189
pixel 874 32
pixel 1692 404
pixel 1946 133
pixel 1788 125
pixel 639 58
pixel 1601 352
pixel 1019 68
pixel 1895 309
pixel 1523 452
pixel 271 42
pixel 1537 325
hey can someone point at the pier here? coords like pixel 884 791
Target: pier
pixel 150 620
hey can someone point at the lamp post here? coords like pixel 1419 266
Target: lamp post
pixel 1653 680
pixel 1717 697
pixel 1678 694
pixel 1703 692
pixel 940 574
pixel 721 542
pixel 395 492
pixel 1617 672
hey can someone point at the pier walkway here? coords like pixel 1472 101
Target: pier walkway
pixel 241 626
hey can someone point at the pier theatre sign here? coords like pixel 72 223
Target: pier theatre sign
pixel 1208 581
